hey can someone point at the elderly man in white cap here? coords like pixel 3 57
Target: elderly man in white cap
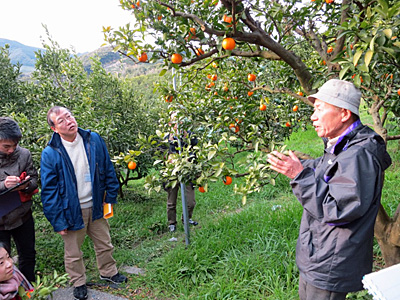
pixel 340 193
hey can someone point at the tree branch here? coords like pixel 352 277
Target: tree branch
pixel 343 17
pixel 393 137
pixel 259 37
pixel 284 91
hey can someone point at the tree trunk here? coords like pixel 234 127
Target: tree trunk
pixel 387 233
pixel 378 126
pixel 387 229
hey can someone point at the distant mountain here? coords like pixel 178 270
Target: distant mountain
pixel 21 53
pixel 111 61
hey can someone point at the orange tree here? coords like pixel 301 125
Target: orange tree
pixel 10 91
pixel 100 101
pixel 292 47
pixel 213 103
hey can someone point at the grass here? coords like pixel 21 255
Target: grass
pixel 236 252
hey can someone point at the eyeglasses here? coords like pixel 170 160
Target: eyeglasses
pixel 66 118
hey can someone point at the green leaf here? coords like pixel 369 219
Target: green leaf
pixel 368 57
pixel 397 44
pixel 357 80
pixel 381 40
pixel 367 79
pixel 382 12
pixel 363 24
pixel 343 33
pixel 372 43
pixel 211 154
pixel 163 71
pixel 369 12
pixel 357 56
pixel 394 10
pixel 362 68
pixel 116 48
pixel 218 172
pixel 244 200
pixel 384 5
pixel 343 71
pixel 388 32
pixel 390 51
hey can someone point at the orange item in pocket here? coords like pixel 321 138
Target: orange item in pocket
pixel 108 210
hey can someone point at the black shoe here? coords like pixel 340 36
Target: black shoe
pixel 117 278
pixel 194 223
pixel 191 222
pixel 172 228
pixel 80 292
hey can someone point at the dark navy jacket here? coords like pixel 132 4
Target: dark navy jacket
pixel 340 193
pixel 59 187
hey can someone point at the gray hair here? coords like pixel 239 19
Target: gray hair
pixel 9 130
pixel 54 110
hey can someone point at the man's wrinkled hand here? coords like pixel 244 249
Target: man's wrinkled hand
pixel 289 166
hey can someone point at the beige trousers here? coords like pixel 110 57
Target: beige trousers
pixel 99 233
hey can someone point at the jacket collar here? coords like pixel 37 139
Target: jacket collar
pixel 55 140
pixel 345 137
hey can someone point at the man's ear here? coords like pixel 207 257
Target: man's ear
pixel 53 128
pixel 346 115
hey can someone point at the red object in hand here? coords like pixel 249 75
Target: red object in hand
pixel 22 176
pixel 26 196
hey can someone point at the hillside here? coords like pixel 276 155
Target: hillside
pixel 111 61
pixel 21 53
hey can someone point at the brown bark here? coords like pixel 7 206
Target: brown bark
pixel 387 234
pixel 378 125
pixel 387 229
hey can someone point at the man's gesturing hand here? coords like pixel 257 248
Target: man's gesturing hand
pixel 289 166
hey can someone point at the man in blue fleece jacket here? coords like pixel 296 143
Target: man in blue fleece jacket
pixel 77 178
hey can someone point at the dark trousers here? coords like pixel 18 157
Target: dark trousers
pixel 310 292
pixel 24 239
pixel 171 202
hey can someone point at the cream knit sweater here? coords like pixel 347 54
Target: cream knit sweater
pixel 77 154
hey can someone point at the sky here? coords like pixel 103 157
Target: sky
pixel 73 24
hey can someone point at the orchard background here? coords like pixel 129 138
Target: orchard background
pixel 290 48
pixel 237 74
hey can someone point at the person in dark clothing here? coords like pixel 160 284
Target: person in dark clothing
pixel 16 219
pixel 340 193
pixel 173 191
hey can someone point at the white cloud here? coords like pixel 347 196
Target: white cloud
pixel 73 23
